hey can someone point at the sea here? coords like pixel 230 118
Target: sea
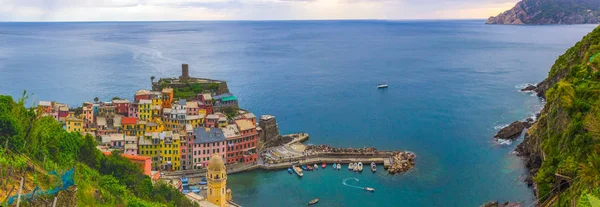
pixel 452 85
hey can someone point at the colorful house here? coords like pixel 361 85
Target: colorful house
pixel 167 95
pixel 207 142
pixel 216 120
pixel 140 127
pixel 149 145
pixel 157 106
pixel 187 143
pixel 121 106
pixel 131 145
pixel 142 94
pixel 243 147
pixel 74 124
pixel 129 126
pixel 117 141
pixel 169 151
pixel 133 110
pixel 144 109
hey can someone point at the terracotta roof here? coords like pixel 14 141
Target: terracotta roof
pixel 142 92
pixel 119 101
pixel 128 120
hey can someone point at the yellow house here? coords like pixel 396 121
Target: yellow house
pixel 144 109
pixel 74 124
pixel 129 126
pixel 149 146
pixel 156 106
pixel 155 125
pixel 194 120
pixel 170 150
pixel 140 128
pixel 216 178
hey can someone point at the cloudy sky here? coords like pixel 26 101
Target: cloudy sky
pixel 154 10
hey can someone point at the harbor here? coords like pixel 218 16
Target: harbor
pixel 294 153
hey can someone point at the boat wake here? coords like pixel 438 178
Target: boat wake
pixel 352 186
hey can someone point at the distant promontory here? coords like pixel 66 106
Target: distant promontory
pixel 550 12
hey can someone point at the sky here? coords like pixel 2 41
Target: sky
pixel 166 10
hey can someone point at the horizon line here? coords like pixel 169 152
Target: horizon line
pixel 239 20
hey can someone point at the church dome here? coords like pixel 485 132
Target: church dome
pixel 216 163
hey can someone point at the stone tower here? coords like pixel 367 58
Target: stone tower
pixel 216 178
pixel 185 72
pixel 270 131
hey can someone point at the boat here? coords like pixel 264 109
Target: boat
pixel 334 165
pixel 373 167
pixel 360 166
pixel 324 165
pixel 313 201
pixel 304 167
pixel 202 183
pixel 355 168
pixel 309 167
pixel 290 170
pixel 370 189
pixel 339 166
pixel 204 179
pixel 316 167
pixel 298 171
pixel 350 166
pixel 383 85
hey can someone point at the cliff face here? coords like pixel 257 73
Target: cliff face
pixel 565 139
pixel 550 12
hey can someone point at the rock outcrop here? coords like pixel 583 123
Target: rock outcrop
pixel 529 87
pixel 512 131
pixel 550 12
pixel 505 204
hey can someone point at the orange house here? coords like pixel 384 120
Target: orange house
pixel 167 95
pixel 143 162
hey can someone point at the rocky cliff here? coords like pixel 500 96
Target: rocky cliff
pixel 550 12
pixel 562 149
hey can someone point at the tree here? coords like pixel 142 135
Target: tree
pixel 152 79
pixel 590 171
pixel 96 99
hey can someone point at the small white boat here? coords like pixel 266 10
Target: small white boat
pixel 316 167
pixel 339 166
pixel 373 167
pixel 298 171
pixel 360 167
pixel 350 166
pixel 383 85
pixel 370 189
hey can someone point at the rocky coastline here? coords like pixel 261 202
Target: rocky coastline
pixel 549 12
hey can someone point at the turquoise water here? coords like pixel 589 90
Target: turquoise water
pixel 452 84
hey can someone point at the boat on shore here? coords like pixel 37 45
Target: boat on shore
pixel 383 85
pixel 324 165
pixel 373 167
pixel 370 189
pixel 313 201
pixel 298 171
pixel 290 170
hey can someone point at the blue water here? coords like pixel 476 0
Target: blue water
pixel 451 83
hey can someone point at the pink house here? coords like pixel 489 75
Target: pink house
pixel 207 142
pixel 117 141
pixel 192 108
pixel 132 110
pixel 131 146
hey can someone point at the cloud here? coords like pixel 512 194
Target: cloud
pixel 155 10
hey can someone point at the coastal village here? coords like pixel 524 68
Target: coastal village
pixel 191 133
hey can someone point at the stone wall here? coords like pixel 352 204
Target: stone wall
pixel 270 131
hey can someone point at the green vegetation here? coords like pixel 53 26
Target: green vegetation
pixel 568 131
pixel 28 140
pixel 194 89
